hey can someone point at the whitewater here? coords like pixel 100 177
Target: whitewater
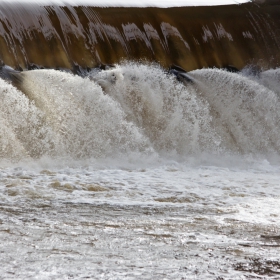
pixel 128 173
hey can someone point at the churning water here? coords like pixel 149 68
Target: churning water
pixel 128 173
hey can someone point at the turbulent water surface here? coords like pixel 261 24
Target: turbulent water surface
pixel 127 173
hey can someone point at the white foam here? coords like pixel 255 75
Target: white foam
pixel 64 218
pixel 128 3
pixel 137 110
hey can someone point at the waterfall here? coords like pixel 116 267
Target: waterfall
pixel 34 35
pixel 139 108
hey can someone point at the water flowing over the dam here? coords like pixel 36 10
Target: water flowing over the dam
pixel 139 108
pixel 191 37
pixel 139 143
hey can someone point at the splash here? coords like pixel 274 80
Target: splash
pixel 138 109
pixel 245 113
pixel 59 114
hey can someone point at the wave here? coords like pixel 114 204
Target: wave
pixel 139 109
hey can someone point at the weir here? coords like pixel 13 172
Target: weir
pixel 137 107
pixel 34 35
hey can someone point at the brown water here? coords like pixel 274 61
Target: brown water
pixel 192 37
